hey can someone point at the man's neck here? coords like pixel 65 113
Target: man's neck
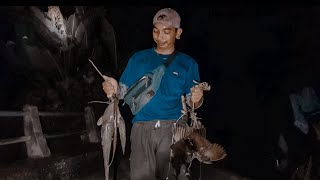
pixel 164 51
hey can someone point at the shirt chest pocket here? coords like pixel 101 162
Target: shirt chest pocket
pixel 173 83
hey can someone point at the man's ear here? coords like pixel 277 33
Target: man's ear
pixel 179 32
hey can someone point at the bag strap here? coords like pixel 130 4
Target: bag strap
pixel 168 61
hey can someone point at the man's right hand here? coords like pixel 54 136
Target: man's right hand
pixel 110 86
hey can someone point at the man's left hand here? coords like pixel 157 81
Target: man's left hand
pixel 196 94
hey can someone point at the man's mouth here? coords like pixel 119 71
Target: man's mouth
pixel 161 43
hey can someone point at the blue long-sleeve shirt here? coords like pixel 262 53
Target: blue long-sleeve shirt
pixel 177 81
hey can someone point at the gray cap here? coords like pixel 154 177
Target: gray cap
pixel 167 16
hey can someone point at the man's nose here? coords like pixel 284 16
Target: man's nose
pixel 161 36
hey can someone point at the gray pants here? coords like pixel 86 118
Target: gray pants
pixel 150 150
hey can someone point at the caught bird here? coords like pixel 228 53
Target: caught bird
pixel 190 143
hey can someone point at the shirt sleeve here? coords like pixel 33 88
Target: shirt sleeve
pixel 193 74
pixel 126 79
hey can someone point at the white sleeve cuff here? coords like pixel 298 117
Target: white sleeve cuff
pixel 122 90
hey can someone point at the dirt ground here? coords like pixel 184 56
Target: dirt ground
pixel 71 159
pixel 89 166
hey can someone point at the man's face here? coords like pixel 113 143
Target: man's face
pixel 165 35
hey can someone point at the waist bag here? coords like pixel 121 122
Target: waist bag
pixel 142 91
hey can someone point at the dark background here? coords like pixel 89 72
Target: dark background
pixel 252 56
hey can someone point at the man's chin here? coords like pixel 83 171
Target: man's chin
pixel 162 45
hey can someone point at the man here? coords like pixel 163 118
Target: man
pixel 151 134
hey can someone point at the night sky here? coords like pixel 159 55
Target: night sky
pixel 253 57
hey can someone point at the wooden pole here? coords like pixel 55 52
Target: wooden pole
pixel 37 145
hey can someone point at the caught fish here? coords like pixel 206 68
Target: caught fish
pixel 110 121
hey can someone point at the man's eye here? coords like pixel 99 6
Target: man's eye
pixel 167 31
